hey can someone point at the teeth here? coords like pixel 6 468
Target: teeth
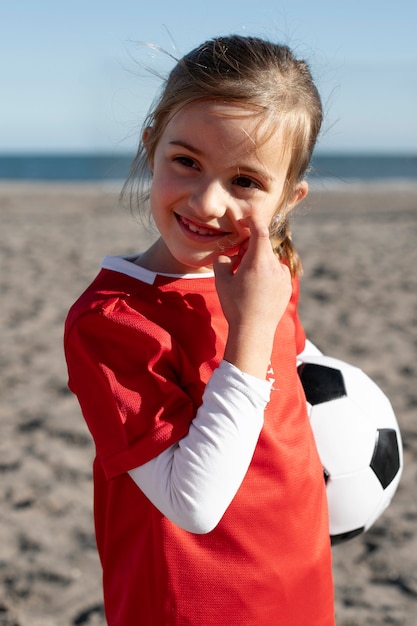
pixel 200 231
pixel 196 229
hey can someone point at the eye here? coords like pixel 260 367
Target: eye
pixel 186 161
pixel 246 182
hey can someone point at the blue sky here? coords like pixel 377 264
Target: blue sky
pixel 72 80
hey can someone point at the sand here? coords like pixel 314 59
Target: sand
pixel 358 303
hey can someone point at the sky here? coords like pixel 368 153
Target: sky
pixel 73 74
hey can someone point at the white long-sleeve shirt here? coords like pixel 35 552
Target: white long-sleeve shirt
pixel 194 481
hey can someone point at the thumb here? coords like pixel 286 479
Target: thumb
pixel 223 265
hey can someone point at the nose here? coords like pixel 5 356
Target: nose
pixel 209 198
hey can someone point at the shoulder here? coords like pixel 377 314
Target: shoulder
pixel 113 308
pixel 126 307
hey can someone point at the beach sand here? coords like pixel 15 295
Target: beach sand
pixel 358 303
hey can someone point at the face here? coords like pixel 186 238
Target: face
pixel 210 172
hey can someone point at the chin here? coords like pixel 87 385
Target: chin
pixel 193 266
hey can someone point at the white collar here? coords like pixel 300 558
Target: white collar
pixel 126 265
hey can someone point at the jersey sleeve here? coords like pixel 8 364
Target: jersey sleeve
pixel 129 380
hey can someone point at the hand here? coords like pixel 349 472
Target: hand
pixel 254 289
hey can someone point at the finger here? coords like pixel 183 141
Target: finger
pixel 258 226
pixel 258 241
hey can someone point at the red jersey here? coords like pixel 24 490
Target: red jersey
pixel 139 356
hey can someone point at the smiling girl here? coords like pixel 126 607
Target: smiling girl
pixel 210 505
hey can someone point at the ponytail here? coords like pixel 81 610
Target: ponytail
pixel 284 248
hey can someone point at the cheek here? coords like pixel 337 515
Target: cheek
pixel 160 191
pixel 271 211
pixel 165 188
pixel 238 241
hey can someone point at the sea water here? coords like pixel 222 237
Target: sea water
pixel 106 167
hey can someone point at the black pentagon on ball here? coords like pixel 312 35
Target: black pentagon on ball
pixel 337 539
pixel 321 383
pixel 386 457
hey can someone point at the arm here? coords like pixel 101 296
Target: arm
pixel 193 482
pixel 254 289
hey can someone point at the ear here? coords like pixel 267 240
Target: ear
pixel 146 142
pixel 146 134
pixel 299 193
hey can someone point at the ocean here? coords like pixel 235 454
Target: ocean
pixel 107 167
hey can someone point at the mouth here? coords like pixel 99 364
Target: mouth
pixel 200 231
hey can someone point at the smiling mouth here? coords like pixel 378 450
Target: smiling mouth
pixel 202 231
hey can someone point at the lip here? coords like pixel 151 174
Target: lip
pixel 198 231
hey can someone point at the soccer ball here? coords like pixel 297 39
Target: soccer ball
pixel 358 441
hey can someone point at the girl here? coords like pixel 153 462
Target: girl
pixel 210 504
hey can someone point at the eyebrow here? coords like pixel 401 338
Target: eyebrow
pixel 187 146
pixel 246 168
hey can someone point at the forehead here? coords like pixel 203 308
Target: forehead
pixel 215 112
pixel 230 125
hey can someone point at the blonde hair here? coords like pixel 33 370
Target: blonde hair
pixel 257 74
